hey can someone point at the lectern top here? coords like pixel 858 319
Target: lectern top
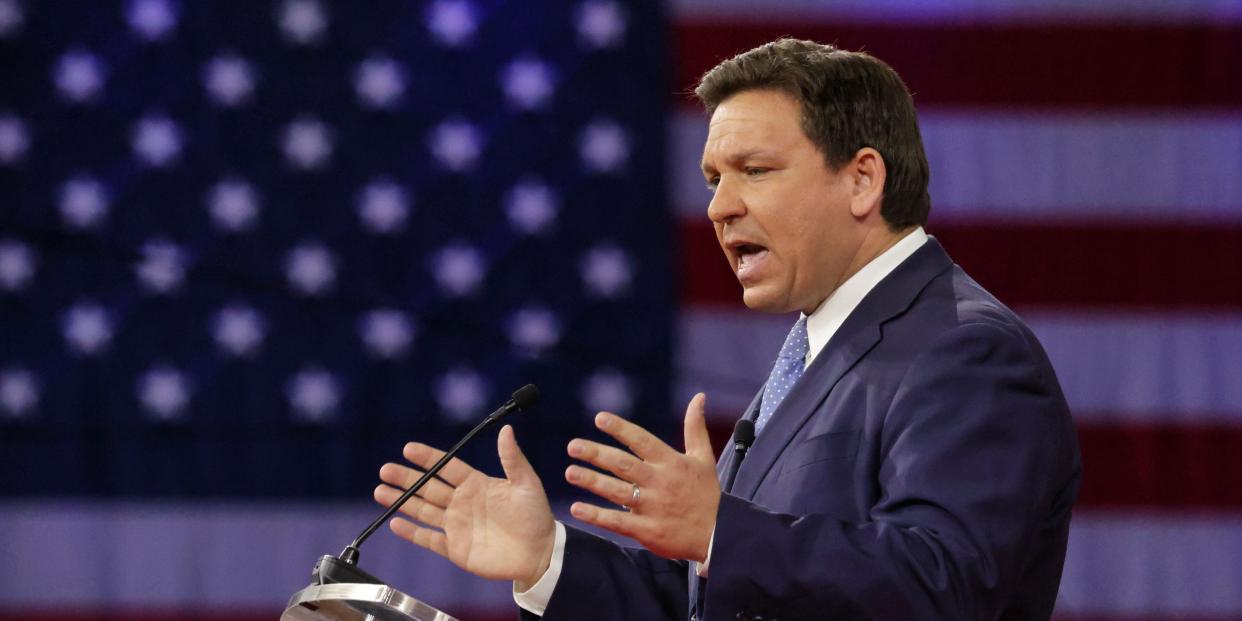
pixel 358 602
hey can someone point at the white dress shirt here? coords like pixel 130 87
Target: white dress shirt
pixel 820 326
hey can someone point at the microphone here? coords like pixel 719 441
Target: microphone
pixel 344 567
pixel 743 437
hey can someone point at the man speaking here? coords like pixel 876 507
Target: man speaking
pixel 914 457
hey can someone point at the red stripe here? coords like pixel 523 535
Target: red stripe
pixel 1161 466
pixel 1135 466
pixel 1030 65
pixel 1101 265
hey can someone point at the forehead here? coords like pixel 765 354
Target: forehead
pixel 752 120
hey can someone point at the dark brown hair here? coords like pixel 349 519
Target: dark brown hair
pixel 850 100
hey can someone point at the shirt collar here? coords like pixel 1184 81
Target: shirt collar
pixel 824 322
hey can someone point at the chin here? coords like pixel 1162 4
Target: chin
pixel 764 301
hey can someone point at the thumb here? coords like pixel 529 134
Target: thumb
pixel 517 468
pixel 698 441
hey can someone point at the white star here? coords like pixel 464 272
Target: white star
pixel 229 79
pixel 313 394
pixel 527 83
pixel 238 330
pixel 11 18
pixel 603 147
pixel 456 145
pixel 17 265
pixel 387 332
pixel 461 393
pixel 19 392
pixel 152 20
pixel 601 23
pixel 383 207
pixel 607 271
pixel 87 328
pixel 307 143
pixel 458 269
pixel 379 82
pixel 79 75
pixel 233 205
pixel 531 207
pixel 156 140
pixel 14 139
pixel 452 22
pixel 164 392
pixel 302 22
pixel 162 268
pixel 533 330
pixel 608 390
pixel 83 203
pixel 311 269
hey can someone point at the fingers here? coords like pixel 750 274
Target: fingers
pixel 609 488
pixel 433 540
pixel 698 441
pixel 517 469
pixel 415 507
pixel 639 440
pixel 612 459
pixel 621 522
pixel 423 456
pixel 403 477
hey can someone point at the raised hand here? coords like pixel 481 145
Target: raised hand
pixel 501 529
pixel 675 511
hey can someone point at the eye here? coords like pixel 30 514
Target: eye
pixel 755 171
pixel 713 183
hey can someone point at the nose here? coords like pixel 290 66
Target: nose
pixel 725 204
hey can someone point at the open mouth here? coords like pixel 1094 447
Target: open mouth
pixel 748 257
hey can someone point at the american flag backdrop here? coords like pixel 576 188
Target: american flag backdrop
pixel 247 249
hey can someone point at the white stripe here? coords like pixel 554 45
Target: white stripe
pixel 217 555
pixel 1165 368
pixel 916 11
pixel 1161 367
pixel 1152 565
pixel 1047 165
pixel 235 554
pixel 726 354
pixel 90 555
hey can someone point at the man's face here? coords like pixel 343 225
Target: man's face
pixel 782 216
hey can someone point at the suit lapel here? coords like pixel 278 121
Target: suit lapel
pixel 837 358
pixel 857 335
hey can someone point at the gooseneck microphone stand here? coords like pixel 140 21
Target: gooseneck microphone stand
pixel 341 591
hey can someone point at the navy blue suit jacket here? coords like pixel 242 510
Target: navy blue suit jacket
pixel 923 467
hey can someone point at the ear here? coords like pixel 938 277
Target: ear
pixel 868 173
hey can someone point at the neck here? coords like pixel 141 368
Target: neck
pixel 874 243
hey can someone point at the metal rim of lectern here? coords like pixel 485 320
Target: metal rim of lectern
pixel 360 602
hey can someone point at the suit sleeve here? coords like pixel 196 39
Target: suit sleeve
pixel 973 450
pixel 603 581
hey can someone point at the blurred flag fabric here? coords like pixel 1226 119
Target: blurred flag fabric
pixel 1086 167
pixel 248 249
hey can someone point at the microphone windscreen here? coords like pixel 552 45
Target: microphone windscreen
pixel 525 396
pixel 744 432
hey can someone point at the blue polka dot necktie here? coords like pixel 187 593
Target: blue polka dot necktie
pixel 785 373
